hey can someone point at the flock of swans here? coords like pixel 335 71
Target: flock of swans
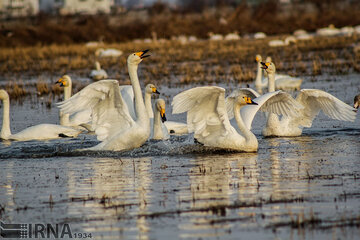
pixel 123 119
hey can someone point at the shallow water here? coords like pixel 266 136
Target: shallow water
pixel 304 187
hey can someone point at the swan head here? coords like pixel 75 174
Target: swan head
pixel 258 58
pixel 244 100
pixel 137 57
pixel 160 106
pixel 268 59
pixel 3 94
pixel 357 101
pixel 64 81
pixel 150 88
pixel 269 67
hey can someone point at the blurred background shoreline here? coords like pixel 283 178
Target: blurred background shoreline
pixel 121 21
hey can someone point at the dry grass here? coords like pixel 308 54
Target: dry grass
pixel 174 64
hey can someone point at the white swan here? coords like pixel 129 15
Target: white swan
pixel 109 52
pixel 313 101
pixel 208 119
pixel 82 118
pixel 207 115
pixel 278 102
pixel 110 115
pixel 38 132
pixel 159 130
pixel 282 43
pixel 357 101
pixel 98 73
pixel 282 81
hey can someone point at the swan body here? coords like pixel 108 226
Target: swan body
pixel 313 101
pixel 208 119
pixel 159 130
pixel 282 43
pixel 37 132
pixel 176 127
pixel 98 73
pixel 109 52
pixel 215 37
pixel 260 35
pixel 282 81
pixel 232 36
pixel 110 115
pixel 328 31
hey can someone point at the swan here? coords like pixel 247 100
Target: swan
pixel 232 36
pixel 313 101
pixel 98 73
pixel 110 115
pixel 159 130
pixel 215 37
pixel 282 81
pixel 208 118
pixel 109 52
pixel 282 43
pixel 82 118
pixel 331 30
pixel 357 101
pixel 260 35
pixel 278 102
pixel 37 132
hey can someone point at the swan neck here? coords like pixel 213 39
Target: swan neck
pixel 243 129
pixel 271 78
pixel 139 101
pixel 148 105
pixel 157 126
pixel 64 118
pixel 5 130
pixel 258 75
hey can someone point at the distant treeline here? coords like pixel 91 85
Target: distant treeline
pixel 194 18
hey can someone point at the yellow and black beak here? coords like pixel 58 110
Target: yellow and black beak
pixel 249 101
pixel 61 82
pixel 265 65
pixel 154 90
pixel 142 54
pixel 162 114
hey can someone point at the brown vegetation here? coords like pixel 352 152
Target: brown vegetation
pixel 194 19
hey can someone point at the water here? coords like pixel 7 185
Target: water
pixel 304 187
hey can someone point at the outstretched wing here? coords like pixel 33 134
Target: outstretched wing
pixel 109 112
pixel 229 101
pixel 315 100
pixel 206 112
pixel 277 102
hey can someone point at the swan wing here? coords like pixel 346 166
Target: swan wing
pixel 110 113
pixel 315 100
pixel 277 102
pixel 127 94
pixel 206 111
pixel 229 101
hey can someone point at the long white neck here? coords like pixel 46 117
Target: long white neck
pixel 5 130
pixel 158 134
pixel 64 118
pixel 139 101
pixel 258 80
pixel 271 82
pixel 148 105
pixel 249 136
